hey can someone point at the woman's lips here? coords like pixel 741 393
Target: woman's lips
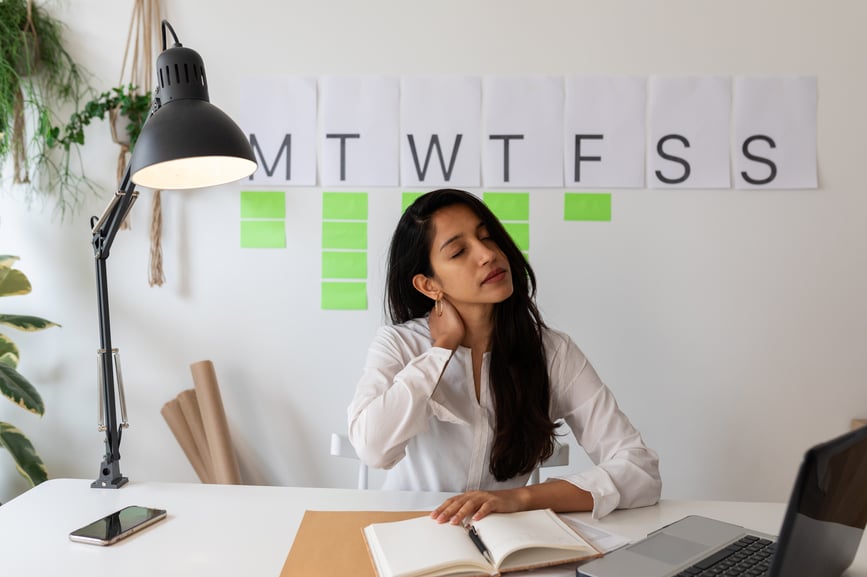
pixel 495 276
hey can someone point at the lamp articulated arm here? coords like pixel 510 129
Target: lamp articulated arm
pixel 104 231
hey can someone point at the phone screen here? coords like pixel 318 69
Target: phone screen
pixel 117 525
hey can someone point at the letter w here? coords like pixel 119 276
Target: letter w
pixel 434 143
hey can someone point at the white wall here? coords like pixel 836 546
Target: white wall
pixel 730 324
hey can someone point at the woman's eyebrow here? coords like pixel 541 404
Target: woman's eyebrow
pixel 449 241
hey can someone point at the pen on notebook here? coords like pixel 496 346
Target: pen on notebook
pixel 480 545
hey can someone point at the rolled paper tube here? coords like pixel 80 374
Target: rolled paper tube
pixel 190 407
pixel 223 460
pixel 173 415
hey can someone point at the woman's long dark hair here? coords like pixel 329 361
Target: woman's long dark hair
pixel 524 432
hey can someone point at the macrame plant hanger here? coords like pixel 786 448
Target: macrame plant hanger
pixel 143 37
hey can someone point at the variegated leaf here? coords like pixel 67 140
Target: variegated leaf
pixel 6 264
pixel 13 283
pixel 8 352
pixel 19 390
pixel 26 459
pixel 26 322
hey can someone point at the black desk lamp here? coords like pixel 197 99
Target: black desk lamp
pixel 186 142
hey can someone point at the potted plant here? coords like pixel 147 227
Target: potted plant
pixel 38 77
pixel 13 385
pixel 127 109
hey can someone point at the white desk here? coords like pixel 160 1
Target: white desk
pixel 244 531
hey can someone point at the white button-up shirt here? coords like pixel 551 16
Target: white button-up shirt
pixel 415 413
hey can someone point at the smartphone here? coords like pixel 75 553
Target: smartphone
pixel 118 525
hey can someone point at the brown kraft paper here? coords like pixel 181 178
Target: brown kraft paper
pixel 173 415
pixel 225 464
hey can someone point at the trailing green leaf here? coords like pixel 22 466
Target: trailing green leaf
pixel 38 80
pixel 26 322
pixel 17 389
pixel 125 99
pixel 27 461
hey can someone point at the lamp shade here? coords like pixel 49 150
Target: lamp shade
pixel 190 143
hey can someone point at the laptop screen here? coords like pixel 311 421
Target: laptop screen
pixel 827 511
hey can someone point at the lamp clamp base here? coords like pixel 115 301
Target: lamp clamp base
pixel 109 477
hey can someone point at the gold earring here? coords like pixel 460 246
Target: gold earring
pixel 438 306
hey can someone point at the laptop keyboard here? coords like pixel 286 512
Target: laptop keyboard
pixel 749 556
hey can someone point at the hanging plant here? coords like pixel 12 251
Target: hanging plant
pixel 125 107
pixel 38 77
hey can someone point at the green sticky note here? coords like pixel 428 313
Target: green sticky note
pixel 263 234
pixel 594 206
pixel 344 264
pixel 509 205
pixel 256 204
pixel 407 198
pixel 344 205
pixel 351 235
pixel 344 296
pixel 520 233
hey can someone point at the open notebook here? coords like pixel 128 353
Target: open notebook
pixel 422 547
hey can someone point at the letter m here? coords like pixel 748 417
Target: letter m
pixel 270 169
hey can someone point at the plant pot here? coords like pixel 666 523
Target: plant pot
pixel 119 127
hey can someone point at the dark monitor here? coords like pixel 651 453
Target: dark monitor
pixel 827 511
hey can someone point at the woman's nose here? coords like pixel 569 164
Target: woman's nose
pixel 486 254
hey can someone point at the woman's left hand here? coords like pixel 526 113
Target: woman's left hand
pixel 477 504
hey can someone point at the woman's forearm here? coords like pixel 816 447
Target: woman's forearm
pixel 558 495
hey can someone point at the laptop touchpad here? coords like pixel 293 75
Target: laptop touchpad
pixel 668 549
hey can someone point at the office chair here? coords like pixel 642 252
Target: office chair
pixel 341 447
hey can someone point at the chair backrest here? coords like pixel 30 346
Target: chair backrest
pixel 341 447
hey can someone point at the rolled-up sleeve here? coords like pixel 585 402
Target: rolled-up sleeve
pixel 392 399
pixel 626 471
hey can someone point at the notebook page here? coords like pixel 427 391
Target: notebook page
pixel 413 546
pixel 509 532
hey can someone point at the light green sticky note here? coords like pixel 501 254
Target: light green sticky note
pixel 344 205
pixel 351 235
pixel 509 205
pixel 255 204
pixel 344 264
pixel 263 234
pixel 407 198
pixel 344 296
pixel 594 206
pixel 520 233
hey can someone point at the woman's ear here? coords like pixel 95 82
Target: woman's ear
pixel 426 286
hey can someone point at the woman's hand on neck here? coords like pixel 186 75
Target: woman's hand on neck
pixel 462 325
pixel 446 326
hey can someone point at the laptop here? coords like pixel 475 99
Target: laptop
pixel 821 530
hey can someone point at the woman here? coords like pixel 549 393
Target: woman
pixel 462 393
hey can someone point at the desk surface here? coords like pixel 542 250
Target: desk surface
pixel 231 530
